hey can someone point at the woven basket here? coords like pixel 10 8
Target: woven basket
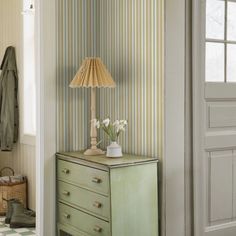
pixel 12 190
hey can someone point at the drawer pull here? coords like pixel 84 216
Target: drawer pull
pixel 67 216
pixel 97 204
pixel 66 193
pixel 66 171
pixel 97 229
pixel 96 180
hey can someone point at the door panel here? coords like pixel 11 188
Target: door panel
pixel 220 192
pixel 234 184
pixel 220 91
pixel 223 230
pixel 222 115
pixel 220 150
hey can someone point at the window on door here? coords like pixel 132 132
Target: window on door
pixel 220 60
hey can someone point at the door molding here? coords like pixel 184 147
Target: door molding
pixel 46 116
pixel 188 125
pixel 198 49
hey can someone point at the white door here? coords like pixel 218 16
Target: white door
pixel 214 117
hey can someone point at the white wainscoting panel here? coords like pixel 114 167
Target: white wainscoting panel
pixel 24 162
pixel 6 159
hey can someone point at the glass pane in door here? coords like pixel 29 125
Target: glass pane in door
pixel 231 63
pixel 231 30
pixel 214 62
pixel 215 19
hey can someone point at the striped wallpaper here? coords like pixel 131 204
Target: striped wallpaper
pixel 127 35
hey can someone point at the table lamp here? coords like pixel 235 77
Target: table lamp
pixel 93 74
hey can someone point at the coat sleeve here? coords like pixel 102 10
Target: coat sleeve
pixel 8 111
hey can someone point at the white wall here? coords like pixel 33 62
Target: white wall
pixel 174 156
pixel 22 158
pixel 46 116
pixel 10 26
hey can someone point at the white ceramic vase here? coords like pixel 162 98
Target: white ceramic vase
pixel 114 150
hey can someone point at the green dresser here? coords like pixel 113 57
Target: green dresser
pixel 100 196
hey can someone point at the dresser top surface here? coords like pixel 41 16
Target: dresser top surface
pixel 109 162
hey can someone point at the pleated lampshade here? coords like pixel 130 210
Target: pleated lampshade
pixel 92 73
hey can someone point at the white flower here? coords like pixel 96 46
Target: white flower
pixel 106 122
pixel 124 122
pixel 116 123
pixel 96 123
pixel 120 128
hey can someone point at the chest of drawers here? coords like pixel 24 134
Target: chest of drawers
pixel 101 196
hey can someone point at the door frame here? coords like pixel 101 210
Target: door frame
pixel 173 177
pixel 173 166
pixel 46 116
pixel 198 46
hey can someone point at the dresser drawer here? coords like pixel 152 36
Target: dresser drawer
pixel 63 230
pixel 82 221
pixel 83 198
pixel 83 176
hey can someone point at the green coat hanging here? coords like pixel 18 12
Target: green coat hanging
pixel 9 118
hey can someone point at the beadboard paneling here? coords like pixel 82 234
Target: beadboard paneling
pixel 127 35
pixel 24 162
pixel 22 158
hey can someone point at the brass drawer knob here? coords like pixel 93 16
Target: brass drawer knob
pixel 66 171
pixel 66 193
pixel 97 204
pixel 67 216
pixel 97 229
pixel 96 180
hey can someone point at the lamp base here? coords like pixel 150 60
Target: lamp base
pixel 94 152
